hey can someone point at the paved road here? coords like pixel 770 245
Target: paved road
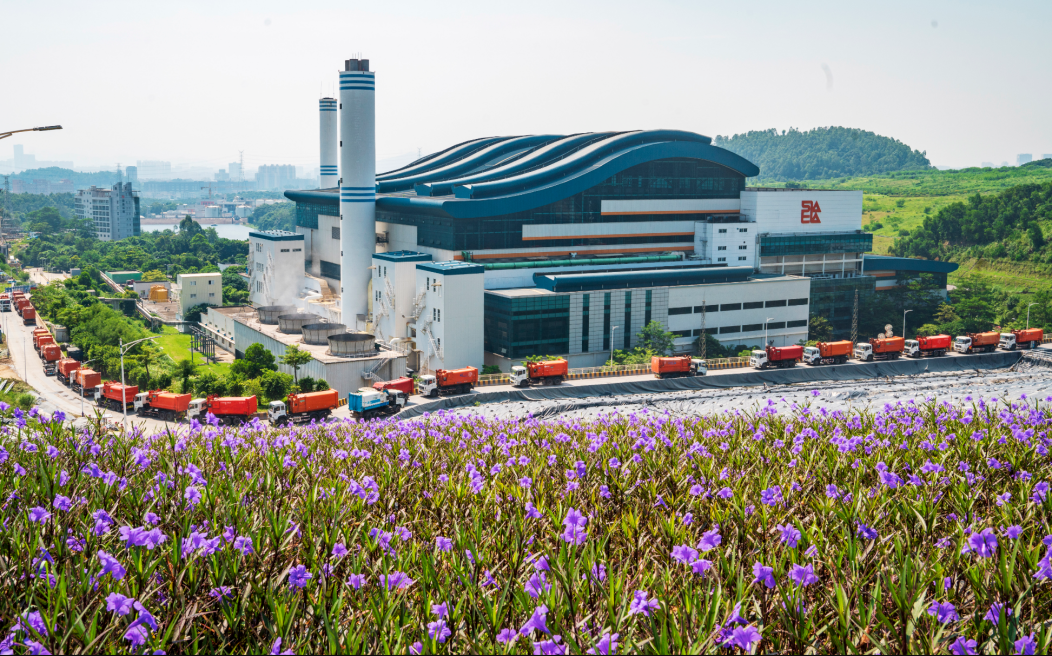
pixel 41 277
pixel 53 394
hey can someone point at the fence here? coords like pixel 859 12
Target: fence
pixel 490 380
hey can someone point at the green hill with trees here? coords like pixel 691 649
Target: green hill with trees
pixel 822 153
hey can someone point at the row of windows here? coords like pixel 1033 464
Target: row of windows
pixel 329 270
pixel 730 307
pixel 806 244
pixel 734 330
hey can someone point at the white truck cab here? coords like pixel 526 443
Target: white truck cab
pixel 520 376
pixel 962 344
pixel 758 359
pixel 811 354
pixel 912 348
pixel 1007 341
pixel 276 411
pixel 141 400
pixel 863 351
pixel 699 367
pixel 196 409
pixel 428 385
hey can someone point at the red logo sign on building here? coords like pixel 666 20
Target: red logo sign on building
pixel 809 210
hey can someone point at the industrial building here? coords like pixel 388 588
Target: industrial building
pixel 498 248
pixel 115 212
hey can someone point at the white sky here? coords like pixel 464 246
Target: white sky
pixel 194 82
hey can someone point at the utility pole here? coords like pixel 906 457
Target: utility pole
pixel 704 337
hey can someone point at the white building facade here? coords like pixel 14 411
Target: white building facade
pixel 114 212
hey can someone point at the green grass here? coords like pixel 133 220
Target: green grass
pixel 176 345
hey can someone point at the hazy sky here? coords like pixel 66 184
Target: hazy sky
pixel 194 82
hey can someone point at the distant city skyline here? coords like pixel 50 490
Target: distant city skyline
pixel 954 79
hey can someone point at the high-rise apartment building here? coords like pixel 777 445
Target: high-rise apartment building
pixel 1023 158
pixel 276 176
pixel 115 211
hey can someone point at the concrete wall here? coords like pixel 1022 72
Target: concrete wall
pixel 275 269
pixel 198 288
pixel 453 313
pixel 780 211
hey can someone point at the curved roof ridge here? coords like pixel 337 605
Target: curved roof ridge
pixel 448 155
pixel 467 164
pixel 541 156
pixel 575 161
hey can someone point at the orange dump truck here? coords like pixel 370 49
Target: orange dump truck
pixel 828 353
pixel 50 354
pixel 231 410
pixel 65 368
pixel 677 366
pixel 160 404
pixel 40 340
pixel 449 381
pixel 21 304
pixel 116 396
pixel 880 348
pixel 403 385
pixel 977 342
pixel 1025 339
pixel 302 408
pixel 928 347
pixel 548 372
pixel 782 357
pixel 86 381
pixel 29 316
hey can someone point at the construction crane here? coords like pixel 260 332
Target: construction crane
pixel 209 188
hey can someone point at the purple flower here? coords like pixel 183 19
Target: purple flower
pixel 684 554
pixel 803 576
pixel 275 649
pixel 356 581
pixel 1013 532
pixel 763 574
pixel 700 566
pixel 725 493
pixel 743 637
pixel 441 610
pixel 574 524
pixel 962 647
pixel 137 635
pixel 867 532
pixel 696 489
pixel 943 612
pixel 339 550
pixel 443 544
pixel 772 496
pixel 507 636
pixel 1026 645
pixel 119 604
pixel 38 514
pixel 110 566
pixel 416 648
pixel 298 577
pixel 994 614
pixel 789 535
pixel 640 604
pixel 35 647
pixel 983 543
pixel 537 622
pixel 606 645
pixel 220 592
pixel 61 503
pixel 243 544
pixel 537 585
pixel 550 647
pixel 397 581
pixel 438 630
pixel 192 495
pixel 710 540
pixel 599 572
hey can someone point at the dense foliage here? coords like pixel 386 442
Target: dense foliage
pixel 276 216
pixel 19 206
pixel 190 249
pixel 78 178
pixel 919 528
pixel 822 153
pixel 1005 225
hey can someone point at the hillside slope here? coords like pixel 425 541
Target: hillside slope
pixel 822 153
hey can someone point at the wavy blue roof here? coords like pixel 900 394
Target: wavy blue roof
pixel 501 175
pixel 579 282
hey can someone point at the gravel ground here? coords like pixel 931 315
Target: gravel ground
pixel 1031 376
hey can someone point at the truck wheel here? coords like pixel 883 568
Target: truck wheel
pixel 433 394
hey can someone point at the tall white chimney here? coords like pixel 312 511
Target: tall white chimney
pixel 330 170
pixel 357 186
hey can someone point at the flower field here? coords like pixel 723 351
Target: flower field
pixel 922 527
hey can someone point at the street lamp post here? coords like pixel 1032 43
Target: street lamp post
pixel 1028 314
pixel 124 392
pixel 765 323
pixel 904 323
pixel 612 329
pixel 4 135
